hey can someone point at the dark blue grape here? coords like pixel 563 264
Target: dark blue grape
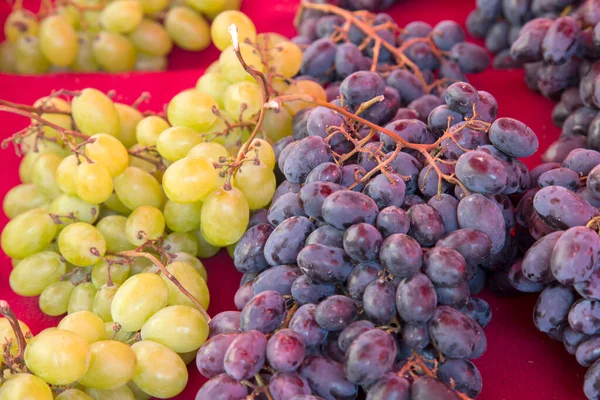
pixel 465 138
pixel 284 154
pixel 446 34
pixel 348 60
pixel 416 299
pixel 520 282
pixel 370 356
pixel 552 307
pixel 401 255
pixel 361 86
pixel 279 278
pixel 286 240
pixel 361 242
pixel 516 11
pixel 536 262
pixel 211 356
pixel 572 339
pixel 497 37
pixel 393 220
pixel 451 70
pixel 224 322
pixel 306 397
pixel 405 113
pixel 264 312
pixel 283 207
pixel 286 187
pixel 564 177
pixel 327 379
pixel 474 245
pixel 588 352
pixel 384 54
pixel 331 348
pixel 477 283
pixel 379 302
pixel 243 295
pixel 528 45
pixel 407 84
pixel 593 182
pixel 426 388
pixel 441 117
pixel 513 137
pixel 478 212
pixel 422 56
pixel 445 266
pixel 333 91
pixel 471 57
pixel 345 208
pixel 463 375
pixel 352 331
pixel 575 254
pixel 286 385
pixel 411 130
pixel 446 206
pixel 429 179
pixel 248 256
pixel 560 41
pixel 308 28
pixel 390 387
pixel 416 335
pixel 461 97
pixel 326 235
pixel 582 161
pixel 306 155
pixel 590 288
pixel 532 70
pixel 506 207
pixel 479 310
pixel 336 312
pixel 490 9
pixel 456 335
pixel 285 350
pixel 426 224
pixel 406 165
pixel 478 24
pixel 351 176
pixel 481 172
pixel 361 277
pixel 304 290
pixel 542 168
pixel 559 149
pixel 246 355
pixel 585 193
pixel 584 317
pixel 591 385
pixel 301 40
pixel 328 24
pixel 386 190
pixel 416 29
pixel 578 122
pixel 300 124
pixel 325 264
pixel 313 195
pixel 424 105
pixel 367 159
pixel 319 58
pixel 326 172
pixel 561 208
pixel 456 296
pixel 223 387
pixel 322 118
pixel 304 323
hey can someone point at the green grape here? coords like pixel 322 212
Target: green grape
pixel 233 141
pixel 81 244
pixel 210 150
pixel 86 324
pixel 58 40
pixel 181 217
pixel 73 394
pixel 136 188
pixel 122 16
pixel 57 356
pixel 277 124
pixel 268 40
pixel 115 205
pixel 188 29
pixel 114 332
pixel 148 130
pixel 28 233
pixel 65 174
pixel 70 14
pixel 143 224
pixel 25 386
pixel 192 109
pixel 7 333
pixel 225 215
pixel 180 328
pixel 189 356
pixel 120 393
pixel 54 299
pixel 8 64
pixel 243 93
pixel 145 62
pixel 82 298
pixel 189 180
pixel 47 267
pixel 205 249
pixel 137 299
pixel 257 183
pixel 19 23
pixel 304 87
pixel 29 59
pixel 114 52
pixel 62 120
pixel 227 5
pixel 103 302
pixel 112 364
pixel 191 280
pixel 231 67
pixel 66 205
pixel 151 38
pixel 194 262
pixel 84 60
pixel 92 21
pixel 108 151
pixel 140 264
pixel 214 84
pixel 94 112
pixel 138 393
pixel 285 58
pixel 219 30
pixel 213 67
pixel 22 198
pixel 177 242
pixel 112 229
pixel 174 143
pixel 129 117
pixel 154 6
pixel 231 249
pixel 118 273
pixel 163 379
pixel 43 171
pixel 207 6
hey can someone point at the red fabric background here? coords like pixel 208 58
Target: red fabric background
pixel 520 363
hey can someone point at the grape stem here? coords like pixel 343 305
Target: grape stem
pixel 262 386
pixel 16 327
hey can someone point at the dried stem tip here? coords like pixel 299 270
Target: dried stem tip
pixel 233 31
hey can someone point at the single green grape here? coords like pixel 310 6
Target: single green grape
pixel 112 364
pixel 73 394
pixel 92 20
pixel 129 117
pixel 82 298
pixel 212 151
pixel 304 87
pixel 243 94
pixel 205 249
pixel 120 393
pixel 94 112
pixel 25 386
pixel 227 5
pixel 86 324
pixel 188 29
pixel 54 299
pixel 257 183
pixel 149 128
pixel 7 333
pixel 29 59
pixel 58 41
pixel 189 180
pixel 277 124
pixel 154 6
pixel 8 64
pixel 114 205
pixel 112 229
pixel 57 356
pixel 137 188
pixel 231 68
pixel 64 174
pixel 214 84
pixel 84 60
pixel 81 244
pixel 192 109
pixel 122 16
pixel 140 264
pixel 231 249
pixel 65 206
pixel 108 151
pixel 176 242
pixel 143 224
pixel 28 233
pixel 193 261
pixel 225 215
pixel 189 356
pixel 47 267
pixel 285 58
pixel 181 217
pixel 114 52
pixel 22 198
pixel 151 38
pixel 267 40
pixel 103 302
pixel 118 273
pixel 180 328
pixel 219 30
pixel 163 379
pixel 62 120
pixel 19 23
pixel 70 13
pixel 43 173
pixel 207 6
pixel 213 67
pixel 144 62
pixel 137 299
pixel 191 280
pixel 175 142
pixel 138 393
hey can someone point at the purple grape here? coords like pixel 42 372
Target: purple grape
pixel 248 256
pixel 441 117
pixel 463 375
pixel 243 295
pixel 286 385
pixel 466 138
pixel 582 161
pixel 286 187
pixel 477 283
pixel 352 331
pixel 361 242
pixel 392 220
pixel 416 335
pixel 426 224
pixel 520 282
pixel 497 37
pixel 445 266
pixel 579 122
pixel 264 312
pixel 481 172
pixel 513 137
pixel 559 149
pixel 590 288
pixel 536 262
pixel 279 279
pixel 351 175
pixel 320 119
pixel 327 379
pixel 572 339
pixel 479 310
pixel 416 299
pixel 286 240
pixel 283 207
pixel 360 277
pixel 401 255
pixel 461 97
pixel 326 172
pixel 552 307
pixel 560 41
pixel 390 387
pixel 348 60
pixel 446 34
pixel 386 190
pixel 319 58
pixel 528 46
pixel 455 334
pixel 446 206
pixel 223 387
pixel 478 212
pixel 285 350
pixel 245 355
pixel 563 177
pixel 224 322
pixel 474 245
pixel 426 388
pixel 429 179
pixel 370 356
pixel 560 208
pixel 211 356
pixel 379 302
pixel 407 84
pixel 362 86
pixel 471 57
pixel 336 312
pixel 425 105
pixel 258 217
pixel 313 195
pixel 304 323
pixel 326 235
pixel 593 182
pixel 306 155
pixel 300 125
pixel 456 296
pixel 584 317
pixel 304 290
pixel 407 165
pixel 325 264
pixel 345 208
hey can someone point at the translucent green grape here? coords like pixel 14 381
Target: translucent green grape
pixel 246 94
pixel 136 188
pixel 189 180
pixel 22 198
pixel 120 393
pixel 58 40
pixel 180 328
pixel 115 205
pixel 94 112
pixel 154 6
pixel 122 16
pixel 231 68
pixel 114 52
pixel 129 117
pixel 194 262
pixel 277 124
pixel 70 14
pixel 143 224
pixel 118 273
pixel 103 302
pixel 149 128
pixel 205 249
pixel 163 379
pixel 8 64
pixel 25 386
pixel 174 143
pixel 257 183
pixel 181 217
pixel 84 60
pixel 28 233
pixel 304 87
pixel 7 333
pixel 285 58
pixel 112 365
pixel 176 242
pixel 219 30
pixel 86 324
pixel 73 394
pixel 108 151
pixel 151 38
pixel 47 267
pixel 29 59
pixel 191 280
pixel 43 171
pixel 62 120
pixel 214 84
pixel 19 23
pixel 112 229
pixel 67 205
pixel 54 300
pixel 192 109
pixel 225 215
pixel 138 393
pixel 81 244
pixel 82 298
pixel 188 29
pixel 145 62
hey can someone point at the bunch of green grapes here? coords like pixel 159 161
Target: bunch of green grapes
pixel 103 35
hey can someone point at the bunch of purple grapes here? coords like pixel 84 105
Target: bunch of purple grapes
pixel 368 5
pixel 358 277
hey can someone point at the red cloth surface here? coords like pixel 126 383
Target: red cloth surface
pixel 520 363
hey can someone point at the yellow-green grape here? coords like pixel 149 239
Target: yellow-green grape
pixel 210 150
pixel 92 20
pixel 205 249
pixel 140 264
pixel 84 60
pixel 7 57
pixel 191 280
pixel 115 205
pixel 66 206
pixel 148 130
pixel 285 58
pixel 225 215
pixel 137 299
pixel 243 93
pixel 62 120
pixel 22 198
pixel 42 173
pixel 143 224
pixel 19 23
pixel 144 62
pixel 58 40
pixel 136 188
pixel 47 267
pixel 180 242
pixel 257 183
pixel 188 29
pixel 138 393
pixel 180 328
pixel 174 143
pixel 129 117
pixel 70 13
pixel 112 364
pixel 122 16
pixel 81 244
pixel 189 356
pixel 103 302
pixel 215 85
pixel 277 124
pixel 57 356
pixel 94 112
pixel 118 273
pixel 108 151
pixel 304 87
pixel 262 150
pixel 268 40
pixel 194 262
pixel 120 393
pixel 227 5
pixel 93 182
pixel 213 67
pixel 54 299
pixel 151 38
pixel 219 30
pixel 82 298
pixel 7 333
pixel 29 59
pixel 86 324
pixel 114 52
pixel 65 174
pixel 73 394
pixel 112 229
pixel 25 386
pixel 189 180
pixel 163 379
pixel 232 69
pixel 154 6
pixel 192 109
pixel 181 217
pixel 207 6
pixel 231 249
pixel 28 233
